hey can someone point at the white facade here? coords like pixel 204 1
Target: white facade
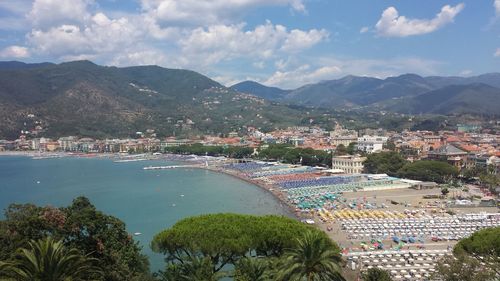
pixel 348 163
pixel 370 144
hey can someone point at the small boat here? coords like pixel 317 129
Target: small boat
pixel 137 233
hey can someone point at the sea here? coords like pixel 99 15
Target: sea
pixel 148 201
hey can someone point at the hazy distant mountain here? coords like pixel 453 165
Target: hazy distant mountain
pixel 357 91
pixel 456 99
pixel 11 65
pixel 82 98
pixel 492 79
pixel 259 90
pixel 392 92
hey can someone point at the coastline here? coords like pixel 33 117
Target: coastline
pixel 272 190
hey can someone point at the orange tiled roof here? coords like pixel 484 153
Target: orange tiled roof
pixel 470 148
pixel 452 139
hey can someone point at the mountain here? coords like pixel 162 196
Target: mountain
pixel 352 91
pixel 85 99
pixel 10 65
pixel 396 93
pixel 475 98
pixel 492 79
pixel 259 90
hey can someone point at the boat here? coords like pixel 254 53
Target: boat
pixel 137 233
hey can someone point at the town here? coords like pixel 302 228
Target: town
pixel 467 147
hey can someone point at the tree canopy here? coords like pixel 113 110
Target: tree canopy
pixel 376 274
pixel 314 258
pixel 226 239
pixel 296 155
pixel 79 226
pixel 384 163
pixel 437 171
pixel 483 244
pixel 202 150
pixel 48 259
pixel 475 258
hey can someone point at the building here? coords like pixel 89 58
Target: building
pixel 342 136
pixel 453 155
pixel 344 140
pixel 296 141
pixel 370 144
pixel 67 143
pixel 350 164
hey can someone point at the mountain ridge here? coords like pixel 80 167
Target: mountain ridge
pixel 82 98
pixel 359 91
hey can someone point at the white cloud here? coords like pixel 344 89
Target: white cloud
pixel 227 81
pixel 74 29
pixel 294 75
pixel 48 13
pixel 391 24
pixel 140 57
pixel 205 12
pixel 497 53
pixel 225 42
pixel 302 75
pixel 496 4
pixel 298 40
pixel 14 52
pixel 101 36
pixel 364 29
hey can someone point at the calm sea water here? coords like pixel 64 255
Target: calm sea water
pixel 147 201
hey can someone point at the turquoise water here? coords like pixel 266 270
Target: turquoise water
pixel 147 201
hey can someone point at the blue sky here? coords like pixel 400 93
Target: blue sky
pixel 284 43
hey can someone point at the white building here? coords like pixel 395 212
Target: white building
pixel 370 144
pixel 350 164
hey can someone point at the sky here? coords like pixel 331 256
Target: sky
pixel 283 43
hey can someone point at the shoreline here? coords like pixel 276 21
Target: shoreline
pixel 272 190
